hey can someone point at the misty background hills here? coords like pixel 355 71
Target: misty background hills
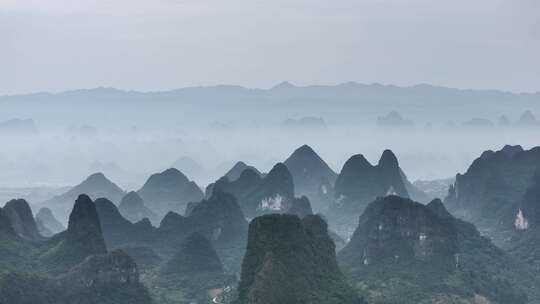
pixel 203 131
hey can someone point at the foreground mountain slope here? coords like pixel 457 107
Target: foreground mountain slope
pixel 289 260
pixel 406 252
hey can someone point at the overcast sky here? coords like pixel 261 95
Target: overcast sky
pixel 54 45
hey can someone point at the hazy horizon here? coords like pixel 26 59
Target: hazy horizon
pixel 160 45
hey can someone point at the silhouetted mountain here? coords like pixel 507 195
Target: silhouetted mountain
pixel 488 194
pixel 169 190
pixel 273 194
pixel 82 238
pixel 132 208
pixel 528 119
pixel 429 256
pixel 503 121
pixel 22 220
pixel 96 185
pixel 247 182
pixel 194 271
pixel 289 260
pixel 359 183
pixel 219 219
pixel 18 127
pixel 118 232
pixel 524 242
pixel 235 172
pixel 394 120
pixel 48 222
pixel 311 176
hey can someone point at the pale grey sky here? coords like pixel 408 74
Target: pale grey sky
pixel 54 45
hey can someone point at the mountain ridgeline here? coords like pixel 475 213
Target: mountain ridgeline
pixel 253 238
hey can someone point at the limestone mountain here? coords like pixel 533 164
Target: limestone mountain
pixel 169 190
pixel 311 175
pixel 47 224
pixel 273 194
pixel 524 241
pixel 430 257
pixel 22 220
pixel 95 185
pixel 82 238
pixel 118 231
pixel 359 183
pixel 247 182
pixel 132 207
pixel 289 260
pixel 235 172
pixel 490 191
pixel 194 270
pixel 219 219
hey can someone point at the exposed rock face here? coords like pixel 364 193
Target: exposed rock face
pixel 96 185
pixel 490 192
pixel 310 173
pixel 46 219
pixel 273 194
pixel 359 183
pixel 169 190
pixel 22 220
pixel 132 208
pixel 429 256
pixel 289 260
pixel 82 238
pixel 394 119
pixel 524 241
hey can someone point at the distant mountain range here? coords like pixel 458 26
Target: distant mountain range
pixel 342 100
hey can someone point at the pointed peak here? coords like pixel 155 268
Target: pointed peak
pixel 83 209
pixel 357 160
pixel 437 207
pixel 305 149
pixel 389 159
